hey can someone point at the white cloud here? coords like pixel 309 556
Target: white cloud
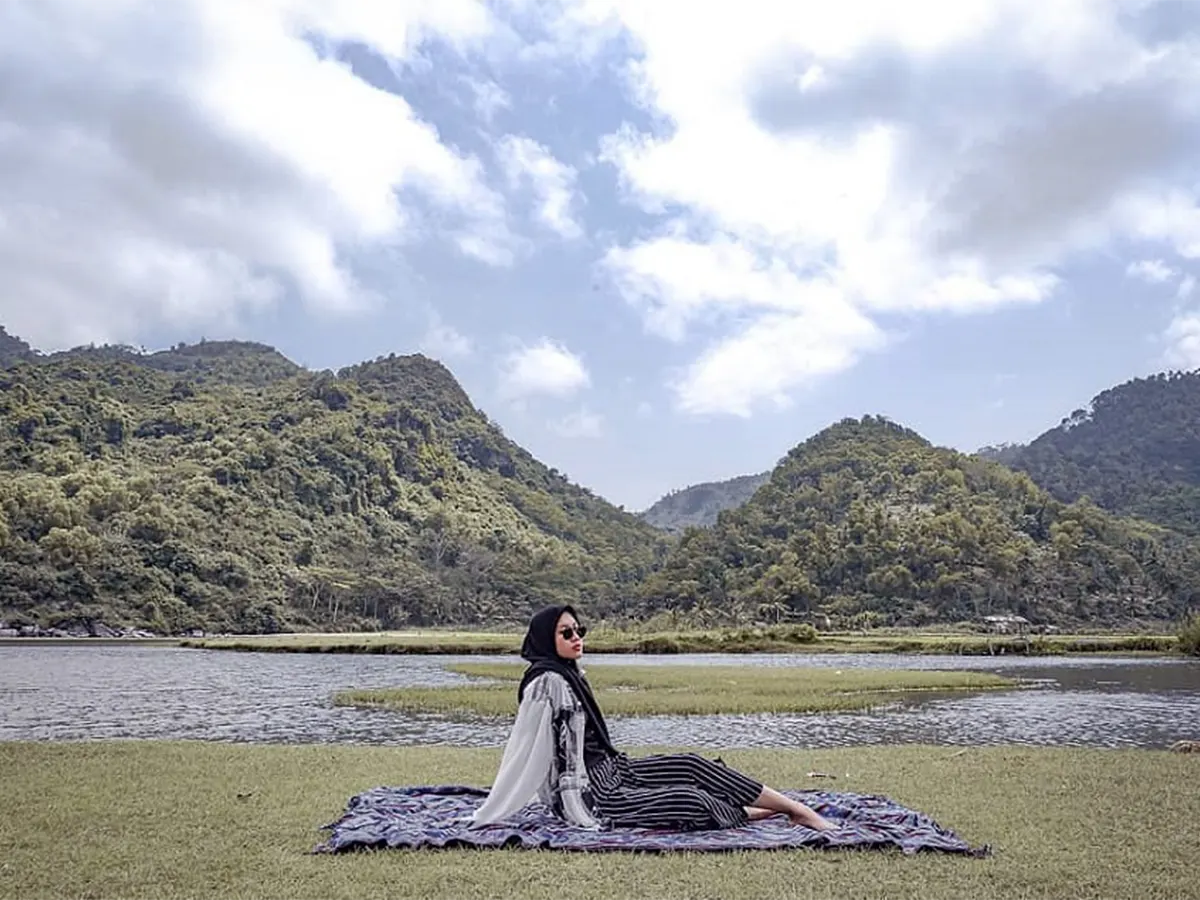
pixel 442 341
pixel 1183 341
pixel 552 183
pixel 1154 271
pixel 183 162
pixel 1187 284
pixel 826 165
pixel 489 98
pixel 766 359
pixel 676 279
pixel 546 367
pixel 579 424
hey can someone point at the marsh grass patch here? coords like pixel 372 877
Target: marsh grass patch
pixel 687 690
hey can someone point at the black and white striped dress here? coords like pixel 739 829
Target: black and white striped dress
pixel 685 791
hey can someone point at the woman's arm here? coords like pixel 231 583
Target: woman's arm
pixel 528 758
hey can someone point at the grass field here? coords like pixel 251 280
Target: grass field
pixel 205 820
pixel 773 639
pixel 686 690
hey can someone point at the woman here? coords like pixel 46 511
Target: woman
pixel 560 752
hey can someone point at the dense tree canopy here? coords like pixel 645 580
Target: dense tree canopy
pixel 220 486
pixel 1135 450
pixel 869 523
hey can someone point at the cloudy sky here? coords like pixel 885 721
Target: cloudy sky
pixel 658 242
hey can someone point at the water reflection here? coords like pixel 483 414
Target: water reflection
pixel 1048 718
pixel 85 692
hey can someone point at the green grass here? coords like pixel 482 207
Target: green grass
pixel 686 690
pixel 199 820
pixel 772 639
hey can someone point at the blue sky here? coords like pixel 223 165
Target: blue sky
pixel 659 243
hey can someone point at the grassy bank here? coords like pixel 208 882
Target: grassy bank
pixel 194 820
pixel 686 690
pixel 775 639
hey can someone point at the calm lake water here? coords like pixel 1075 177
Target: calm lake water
pixel 81 692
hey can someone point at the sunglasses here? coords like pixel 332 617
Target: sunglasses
pixel 568 632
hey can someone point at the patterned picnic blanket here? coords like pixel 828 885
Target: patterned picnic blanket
pixel 433 816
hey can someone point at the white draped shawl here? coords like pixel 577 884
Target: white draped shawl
pixel 544 757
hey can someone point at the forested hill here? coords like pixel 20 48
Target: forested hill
pixel 869 523
pixel 697 506
pixel 220 486
pixel 235 362
pixel 1135 450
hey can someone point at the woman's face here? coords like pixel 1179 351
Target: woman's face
pixel 568 642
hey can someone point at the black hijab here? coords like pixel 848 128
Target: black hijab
pixel 540 650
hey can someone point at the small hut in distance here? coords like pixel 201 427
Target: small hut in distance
pixel 1006 624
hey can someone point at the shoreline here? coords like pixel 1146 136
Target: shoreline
pixel 731 642
pixel 91 641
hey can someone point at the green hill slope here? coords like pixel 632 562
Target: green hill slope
pixel 699 505
pixel 222 487
pixel 1135 450
pixel 868 522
